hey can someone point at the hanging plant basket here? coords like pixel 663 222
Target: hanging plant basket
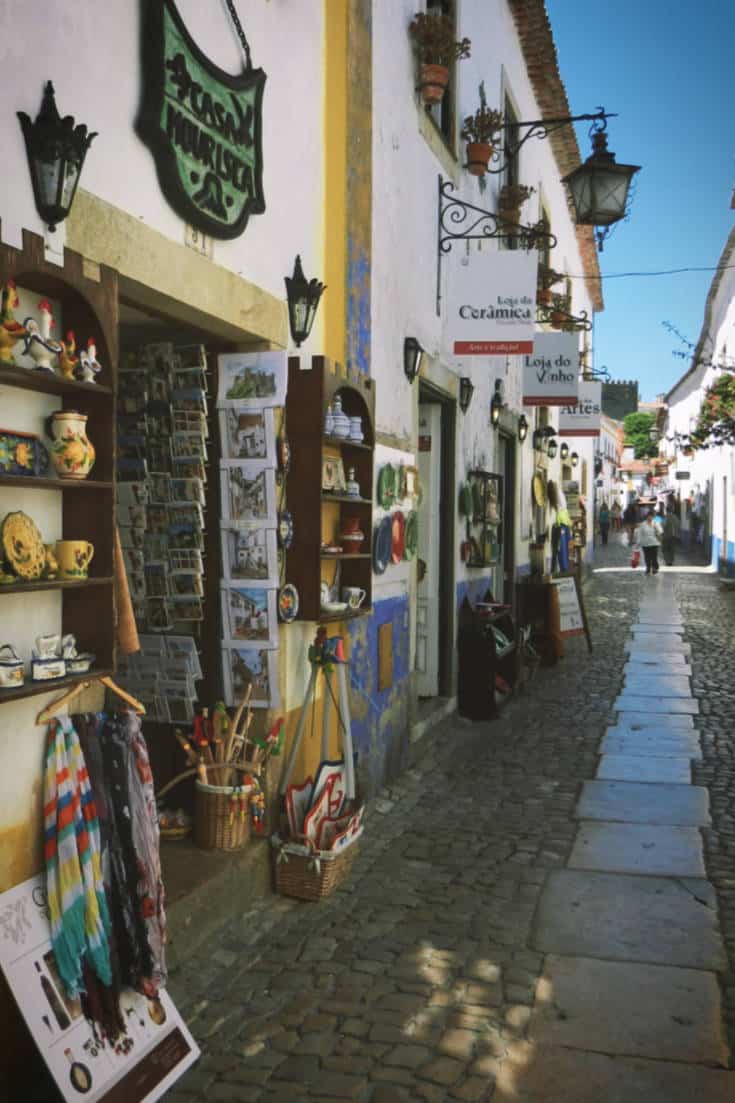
pixel 478 157
pixel 434 80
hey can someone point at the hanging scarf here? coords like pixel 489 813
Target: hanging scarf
pixel 80 922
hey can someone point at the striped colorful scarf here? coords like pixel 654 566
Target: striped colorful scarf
pixel 80 922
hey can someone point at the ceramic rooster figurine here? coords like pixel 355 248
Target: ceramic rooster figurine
pixel 39 343
pixel 89 365
pixel 10 331
pixel 68 360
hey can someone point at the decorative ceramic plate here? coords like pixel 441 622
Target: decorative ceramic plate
pixel 539 491
pixel 412 535
pixel 386 486
pixel 23 546
pixel 288 603
pixel 284 454
pixel 285 529
pixel 382 545
pixel 401 483
pixel 465 500
pixel 398 537
pixel 22 454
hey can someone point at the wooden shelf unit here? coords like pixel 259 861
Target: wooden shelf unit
pixel 89 307
pixel 318 517
pixel 53 685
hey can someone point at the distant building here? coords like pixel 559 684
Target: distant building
pixel 619 397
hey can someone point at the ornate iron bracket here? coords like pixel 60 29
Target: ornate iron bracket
pixel 562 319
pixel 458 220
pixel 541 128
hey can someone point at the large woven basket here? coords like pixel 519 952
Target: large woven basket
pixel 313 875
pixel 213 812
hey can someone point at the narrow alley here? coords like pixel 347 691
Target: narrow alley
pixel 543 907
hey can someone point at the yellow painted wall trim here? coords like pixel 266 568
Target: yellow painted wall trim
pixel 174 280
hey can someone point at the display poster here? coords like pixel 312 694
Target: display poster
pixel 551 370
pixel 138 1068
pixel 570 613
pixel 582 418
pixel 492 304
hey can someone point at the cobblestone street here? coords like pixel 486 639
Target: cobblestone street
pixel 439 971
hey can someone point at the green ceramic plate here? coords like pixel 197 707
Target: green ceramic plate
pixel 386 486
pixel 465 500
pixel 411 535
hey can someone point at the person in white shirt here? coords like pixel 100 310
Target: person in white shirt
pixel 646 537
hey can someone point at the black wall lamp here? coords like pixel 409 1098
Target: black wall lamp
pixel 564 451
pixel 574 459
pixel 56 149
pixel 551 448
pixel 303 298
pixel 522 428
pixel 496 404
pixel 412 354
pixel 466 390
pixel 600 186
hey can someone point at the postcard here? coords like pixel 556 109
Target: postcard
pixel 242 667
pixel 254 379
pixel 248 492
pixel 247 435
pixel 184 647
pixel 250 555
pixel 249 615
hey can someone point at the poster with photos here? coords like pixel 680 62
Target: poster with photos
pixel 248 492
pixel 252 379
pixel 242 667
pixel 250 555
pixel 247 435
pixel 249 616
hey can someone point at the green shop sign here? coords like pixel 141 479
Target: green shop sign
pixel 202 125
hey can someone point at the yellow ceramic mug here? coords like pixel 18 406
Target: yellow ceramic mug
pixel 74 557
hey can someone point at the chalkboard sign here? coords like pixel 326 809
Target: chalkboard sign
pixel 571 622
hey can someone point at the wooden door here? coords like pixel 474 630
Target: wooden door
pixel 427 613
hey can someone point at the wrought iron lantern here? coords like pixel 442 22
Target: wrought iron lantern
pixel 522 428
pixel 551 448
pixel 564 451
pixel 574 459
pixel 538 440
pixel 303 298
pixel 599 187
pixel 56 149
pixel 496 404
pixel 412 354
pixel 466 390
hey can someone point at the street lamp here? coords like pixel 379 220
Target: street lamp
pixel 496 405
pixel 412 354
pixel 574 459
pixel 564 451
pixel 466 390
pixel 600 186
pixel 522 428
pixel 551 448
pixel 303 298
pixel 56 149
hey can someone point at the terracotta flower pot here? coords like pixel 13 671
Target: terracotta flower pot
pixel 544 296
pixel 478 157
pixel 557 319
pixel 509 216
pixel 434 80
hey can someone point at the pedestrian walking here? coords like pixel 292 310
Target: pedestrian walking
pixel 658 519
pixel 647 538
pixel 629 521
pixel 669 536
pixel 615 512
pixel 604 517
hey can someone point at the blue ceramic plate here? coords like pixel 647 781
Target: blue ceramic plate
pixel 383 544
pixel 22 454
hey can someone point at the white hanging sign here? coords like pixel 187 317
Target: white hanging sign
pixel 551 371
pixel 492 304
pixel 582 419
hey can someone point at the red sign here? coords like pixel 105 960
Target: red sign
pixel 492 348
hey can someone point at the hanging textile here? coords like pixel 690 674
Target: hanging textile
pixel 80 921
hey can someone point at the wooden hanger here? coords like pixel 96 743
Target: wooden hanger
pixel 70 694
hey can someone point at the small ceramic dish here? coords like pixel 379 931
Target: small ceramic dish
pixel 79 664
pixel 47 670
pixel 11 668
pixel 334 606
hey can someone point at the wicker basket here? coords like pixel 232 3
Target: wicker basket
pixel 311 876
pixel 212 814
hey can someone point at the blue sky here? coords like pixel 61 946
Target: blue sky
pixel 666 68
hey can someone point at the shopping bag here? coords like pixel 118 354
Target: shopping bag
pixel 635 558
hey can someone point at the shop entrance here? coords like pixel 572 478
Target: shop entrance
pixel 504 573
pixel 434 642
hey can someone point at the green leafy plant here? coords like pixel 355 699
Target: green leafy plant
pixel 435 38
pixel 636 430
pixel 483 126
pixel 547 277
pixel 716 419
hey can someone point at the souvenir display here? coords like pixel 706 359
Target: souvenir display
pixel 12 668
pixel 248 492
pixel 352 536
pixel 68 359
pixel 47 670
pixel 354 596
pixel 288 603
pixel 89 366
pixel 73 558
pixel 39 344
pixel 250 555
pixel 341 423
pixel 256 379
pixel 356 433
pixel 250 667
pixel 22 454
pixel 398 536
pixel 483 511
pixel 77 662
pixel 382 544
pixel 386 486
pixel 249 615
pixel 352 487
pixel 11 331
pixel 248 435
pixel 72 452
pixel 23 546
pixel 411 535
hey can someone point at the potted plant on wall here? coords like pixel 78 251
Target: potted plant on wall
pixel 437 46
pixel 547 277
pixel 480 131
pixel 510 200
pixel 559 311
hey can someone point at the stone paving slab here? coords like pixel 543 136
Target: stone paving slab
pixel 652 643
pixel 645 721
pixel 621 741
pixel 639 802
pixel 646 1010
pixel 637 767
pixel 658 629
pixel 553 1074
pixel 663 667
pixel 670 851
pixel 655 685
pixel 628 702
pixel 624 917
